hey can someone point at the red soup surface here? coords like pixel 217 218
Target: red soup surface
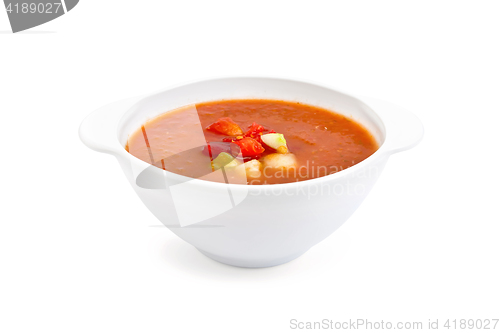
pixel 256 141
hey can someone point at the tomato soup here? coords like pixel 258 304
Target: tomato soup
pixel 265 141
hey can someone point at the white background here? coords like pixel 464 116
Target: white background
pixel 80 253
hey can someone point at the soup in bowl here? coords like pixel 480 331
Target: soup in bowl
pixel 260 141
pixel 251 171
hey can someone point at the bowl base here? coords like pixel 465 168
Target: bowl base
pixel 251 263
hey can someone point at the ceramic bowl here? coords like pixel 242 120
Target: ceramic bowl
pixel 251 225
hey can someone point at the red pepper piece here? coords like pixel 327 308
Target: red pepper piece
pixel 225 126
pixel 255 130
pixel 250 147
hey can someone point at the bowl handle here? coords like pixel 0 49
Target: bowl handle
pixel 98 130
pixel 404 129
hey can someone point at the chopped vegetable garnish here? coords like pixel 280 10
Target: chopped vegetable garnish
pixel 282 150
pixel 225 160
pixel 255 130
pixel 250 147
pixel 274 140
pixel 285 161
pixel 225 126
pixel 252 168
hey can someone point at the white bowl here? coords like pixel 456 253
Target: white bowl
pixel 251 225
